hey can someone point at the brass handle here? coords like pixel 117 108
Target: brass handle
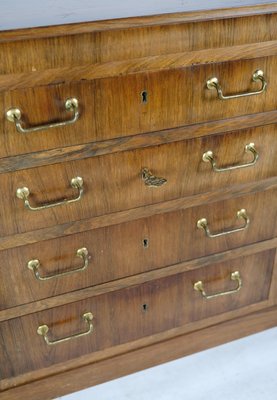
pixel 71 105
pixel 76 183
pixel 34 265
pixel 235 276
pixel 43 330
pixel 257 76
pixel 208 156
pixel 203 224
pixel 150 179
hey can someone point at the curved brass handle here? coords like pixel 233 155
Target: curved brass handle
pixel 34 265
pixel 208 156
pixel 257 76
pixel 150 179
pixel 43 330
pixel 71 105
pixel 203 224
pixel 235 276
pixel 76 183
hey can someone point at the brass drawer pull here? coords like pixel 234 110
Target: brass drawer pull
pixel 203 224
pixel 235 276
pixel 208 156
pixel 34 265
pixel 71 105
pixel 76 183
pixel 150 179
pixel 43 330
pixel 257 76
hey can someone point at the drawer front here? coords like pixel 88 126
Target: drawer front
pixel 129 105
pixel 114 182
pixel 132 313
pixel 131 248
pixel 106 45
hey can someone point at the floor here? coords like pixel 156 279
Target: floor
pixel 245 369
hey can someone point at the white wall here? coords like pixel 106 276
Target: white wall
pixel 20 14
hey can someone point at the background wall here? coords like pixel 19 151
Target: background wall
pixel 52 12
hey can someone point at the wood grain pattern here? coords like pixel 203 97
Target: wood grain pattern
pixel 273 287
pixel 69 228
pixel 113 107
pixel 151 63
pixel 65 382
pixel 139 279
pixel 236 13
pixel 143 243
pixel 132 248
pixel 113 182
pixel 132 346
pixel 113 313
pixel 77 152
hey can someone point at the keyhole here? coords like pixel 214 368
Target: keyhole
pixel 145 243
pixel 144 96
pixel 145 307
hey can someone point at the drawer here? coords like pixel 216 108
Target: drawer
pixel 131 248
pixel 129 105
pixel 129 314
pixel 114 182
pixel 77 50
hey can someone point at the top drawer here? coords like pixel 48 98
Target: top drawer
pixel 133 104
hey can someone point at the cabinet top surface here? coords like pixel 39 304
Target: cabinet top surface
pixel 32 13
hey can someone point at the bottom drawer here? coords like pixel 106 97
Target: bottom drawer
pixel 132 313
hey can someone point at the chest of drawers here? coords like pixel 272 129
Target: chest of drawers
pixel 138 173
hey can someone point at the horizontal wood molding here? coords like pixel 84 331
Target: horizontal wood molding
pixel 136 213
pixel 134 360
pixel 131 346
pixel 135 66
pixel 135 280
pixel 81 151
pixel 124 23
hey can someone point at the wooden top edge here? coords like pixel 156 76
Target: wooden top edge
pixel 136 22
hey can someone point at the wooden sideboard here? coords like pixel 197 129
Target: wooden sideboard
pixel 138 173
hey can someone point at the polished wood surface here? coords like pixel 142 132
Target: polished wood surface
pixel 181 99
pixel 141 86
pixel 64 382
pixel 113 182
pixel 126 282
pixel 149 64
pixel 145 306
pixel 70 228
pixel 24 161
pixel 132 346
pixel 64 59
pixel 132 248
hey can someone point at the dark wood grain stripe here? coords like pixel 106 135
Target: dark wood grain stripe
pixel 96 368
pixel 134 66
pixel 136 213
pixel 135 280
pixel 81 151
